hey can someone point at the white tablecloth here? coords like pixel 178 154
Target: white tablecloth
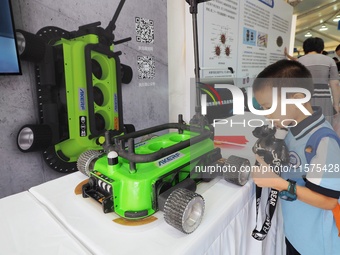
pixel 225 228
pixel 27 228
pixel 243 125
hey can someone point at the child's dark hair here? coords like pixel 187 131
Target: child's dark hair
pixel 284 73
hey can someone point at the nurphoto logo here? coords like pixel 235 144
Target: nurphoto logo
pixel 238 106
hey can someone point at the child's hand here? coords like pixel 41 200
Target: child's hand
pixel 264 176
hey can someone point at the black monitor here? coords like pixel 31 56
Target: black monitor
pixel 9 59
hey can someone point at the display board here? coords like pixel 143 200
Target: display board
pixel 145 98
pixel 243 36
pixel 218 30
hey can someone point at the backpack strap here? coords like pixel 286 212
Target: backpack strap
pixel 310 151
pixel 336 215
pixel 314 140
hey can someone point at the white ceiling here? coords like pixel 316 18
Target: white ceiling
pixel 311 14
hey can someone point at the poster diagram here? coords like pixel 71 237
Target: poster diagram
pixel 279 41
pixel 265 32
pixel 249 36
pixel 270 3
pixel 262 40
pixel 221 39
pixel 218 28
pixel 245 35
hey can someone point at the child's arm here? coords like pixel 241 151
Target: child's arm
pixel 334 85
pixel 335 90
pixel 315 199
pixel 265 178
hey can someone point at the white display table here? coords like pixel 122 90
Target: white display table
pixel 54 215
pixel 27 227
pixel 225 228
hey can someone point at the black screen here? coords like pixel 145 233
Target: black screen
pixel 9 61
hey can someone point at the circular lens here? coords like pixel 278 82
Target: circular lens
pixel 244 175
pixel 25 138
pixel 21 42
pixel 193 214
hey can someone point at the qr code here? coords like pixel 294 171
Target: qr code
pixel 146 67
pixel 145 30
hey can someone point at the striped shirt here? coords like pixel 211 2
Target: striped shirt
pixel 323 69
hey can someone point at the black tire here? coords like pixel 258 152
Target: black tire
pixel 237 170
pixel 129 128
pixel 184 210
pixel 34 138
pixel 31 47
pixel 127 74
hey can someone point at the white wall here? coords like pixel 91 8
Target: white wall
pixel 180 59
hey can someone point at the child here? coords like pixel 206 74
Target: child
pixel 309 225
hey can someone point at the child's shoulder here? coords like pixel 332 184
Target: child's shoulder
pixel 322 133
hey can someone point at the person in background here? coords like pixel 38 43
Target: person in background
pixel 325 76
pixel 337 62
pixel 337 50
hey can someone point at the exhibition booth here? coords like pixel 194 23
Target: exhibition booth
pixel 83 179
pixel 54 217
